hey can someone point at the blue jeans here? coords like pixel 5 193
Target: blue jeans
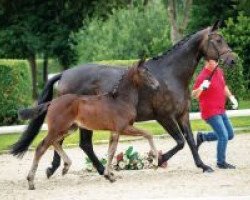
pixel 222 131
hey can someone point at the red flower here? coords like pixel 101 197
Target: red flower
pixel 119 157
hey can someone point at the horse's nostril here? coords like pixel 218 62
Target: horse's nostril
pixel 233 62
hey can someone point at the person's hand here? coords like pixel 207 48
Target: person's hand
pixel 205 85
pixel 234 102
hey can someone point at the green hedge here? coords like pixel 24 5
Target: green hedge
pixel 15 89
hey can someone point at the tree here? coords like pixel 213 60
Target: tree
pixel 32 28
pixel 18 34
pixel 178 14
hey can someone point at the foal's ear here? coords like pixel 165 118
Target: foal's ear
pixel 216 25
pixel 140 63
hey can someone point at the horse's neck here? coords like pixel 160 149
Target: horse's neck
pixel 181 63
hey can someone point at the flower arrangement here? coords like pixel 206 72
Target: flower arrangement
pixel 128 160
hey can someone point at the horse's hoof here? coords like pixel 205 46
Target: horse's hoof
pixel 49 172
pixel 208 170
pixel 32 187
pixel 163 164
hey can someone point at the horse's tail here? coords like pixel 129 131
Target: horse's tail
pixel 22 145
pixel 32 113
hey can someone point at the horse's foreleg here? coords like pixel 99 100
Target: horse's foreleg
pixel 55 163
pixel 113 141
pixel 174 131
pixel 64 156
pixel 131 130
pixel 40 150
pixel 188 134
pixel 87 146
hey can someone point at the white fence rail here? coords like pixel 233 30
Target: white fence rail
pixel 193 116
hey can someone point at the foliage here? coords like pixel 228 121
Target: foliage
pixel 15 85
pixel 32 28
pixel 235 80
pixel 206 12
pixel 125 34
pixel 237 34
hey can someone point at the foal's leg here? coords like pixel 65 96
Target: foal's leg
pixel 113 141
pixel 40 150
pixel 55 163
pixel 64 156
pixel 86 145
pixel 131 130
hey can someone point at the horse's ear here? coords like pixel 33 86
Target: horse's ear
pixel 216 25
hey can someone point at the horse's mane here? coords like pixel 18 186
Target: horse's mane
pixel 178 45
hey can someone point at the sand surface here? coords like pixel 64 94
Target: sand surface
pixel 181 180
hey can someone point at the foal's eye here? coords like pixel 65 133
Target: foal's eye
pixel 219 41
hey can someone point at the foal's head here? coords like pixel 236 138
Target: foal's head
pixel 140 76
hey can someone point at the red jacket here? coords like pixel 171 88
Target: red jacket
pixel 212 101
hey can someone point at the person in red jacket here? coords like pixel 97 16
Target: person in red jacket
pixel 212 95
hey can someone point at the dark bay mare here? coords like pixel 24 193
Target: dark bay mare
pixel 169 105
pixel 110 111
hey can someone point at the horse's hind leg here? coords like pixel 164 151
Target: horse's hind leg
pixel 130 130
pixel 40 150
pixel 87 146
pixel 188 134
pixel 113 141
pixel 64 156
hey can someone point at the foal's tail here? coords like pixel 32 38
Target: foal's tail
pixel 22 145
pixel 32 113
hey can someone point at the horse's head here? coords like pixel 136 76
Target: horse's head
pixel 143 76
pixel 216 48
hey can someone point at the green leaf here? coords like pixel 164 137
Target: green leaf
pixel 129 151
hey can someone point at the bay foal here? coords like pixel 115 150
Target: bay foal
pixel 115 111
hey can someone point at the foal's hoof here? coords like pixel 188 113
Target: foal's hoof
pixel 49 172
pixel 208 169
pixel 110 177
pixel 66 168
pixel 65 171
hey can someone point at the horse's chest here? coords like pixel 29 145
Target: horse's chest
pixel 169 102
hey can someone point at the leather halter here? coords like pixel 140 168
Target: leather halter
pixel 210 41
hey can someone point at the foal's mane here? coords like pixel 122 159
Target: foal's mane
pixel 126 74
